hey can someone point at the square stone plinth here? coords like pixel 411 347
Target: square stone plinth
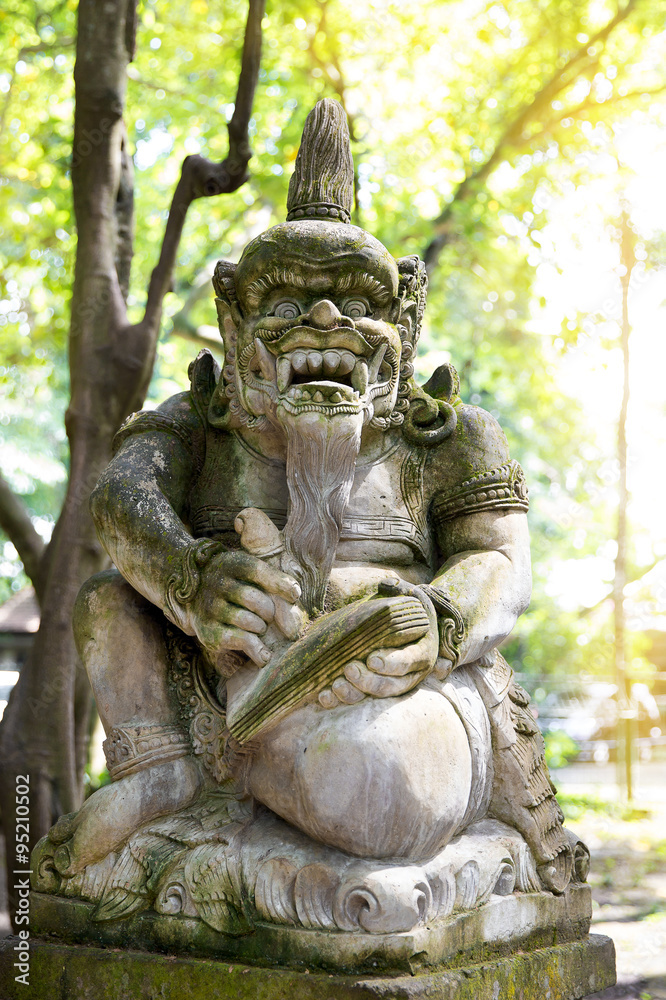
pixel 497 928
pixel 82 972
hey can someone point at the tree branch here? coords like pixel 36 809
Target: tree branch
pixel 124 218
pixel 201 178
pixel 204 336
pixel 16 524
pixel 514 132
pixel 591 104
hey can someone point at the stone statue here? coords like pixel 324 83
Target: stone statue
pixel 308 721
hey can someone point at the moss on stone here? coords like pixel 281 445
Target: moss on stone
pixel 71 972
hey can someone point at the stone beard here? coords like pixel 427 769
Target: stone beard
pixel 321 458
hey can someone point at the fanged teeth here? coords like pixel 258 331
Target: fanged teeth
pixel 301 394
pixel 266 361
pixel 359 376
pixel 313 363
pixel 283 371
pixel 376 363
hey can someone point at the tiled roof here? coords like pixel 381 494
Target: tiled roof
pixel 20 613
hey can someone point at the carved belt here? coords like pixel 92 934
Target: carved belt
pixel 210 522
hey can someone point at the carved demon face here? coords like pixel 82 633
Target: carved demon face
pixel 315 323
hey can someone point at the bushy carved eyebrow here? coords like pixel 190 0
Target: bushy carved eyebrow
pixel 277 277
pixel 282 277
pixel 363 282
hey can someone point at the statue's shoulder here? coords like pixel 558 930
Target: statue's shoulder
pixel 478 442
pixel 471 470
pixel 474 441
pixel 182 416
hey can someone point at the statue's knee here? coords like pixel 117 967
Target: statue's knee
pixel 102 599
pixel 120 639
pixel 402 771
pixel 383 778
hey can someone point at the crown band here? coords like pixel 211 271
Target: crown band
pixel 319 210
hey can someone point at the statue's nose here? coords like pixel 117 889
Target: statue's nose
pixel 324 315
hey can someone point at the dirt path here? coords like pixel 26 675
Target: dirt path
pixel 628 875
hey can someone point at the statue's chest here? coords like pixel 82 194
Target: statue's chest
pixel 385 504
pixel 235 476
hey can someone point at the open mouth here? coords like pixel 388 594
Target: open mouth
pixel 323 376
pixel 337 371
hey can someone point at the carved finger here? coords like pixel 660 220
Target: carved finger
pixel 346 692
pixel 378 685
pixel 289 618
pixel 443 668
pixel 327 699
pixel 251 598
pixel 242 619
pixel 244 642
pixel 247 567
pixel 398 662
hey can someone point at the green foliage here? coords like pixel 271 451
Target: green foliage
pixel 475 115
pixel 560 748
pixel 575 805
pixel 92 780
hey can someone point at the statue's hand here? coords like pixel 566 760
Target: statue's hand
pixel 237 600
pixel 387 673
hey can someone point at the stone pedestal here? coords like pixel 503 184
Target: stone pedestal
pixel 525 946
pixel 498 928
pixel 78 972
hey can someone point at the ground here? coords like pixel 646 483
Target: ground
pixel 628 876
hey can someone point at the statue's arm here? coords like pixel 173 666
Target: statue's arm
pixel 486 573
pixel 140 500
pixel 223 597
pixel 478 509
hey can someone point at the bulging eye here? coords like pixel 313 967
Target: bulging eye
pixel 355 308
pixel 287 309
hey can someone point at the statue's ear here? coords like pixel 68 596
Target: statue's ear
pixel 412 292
pixel 228 310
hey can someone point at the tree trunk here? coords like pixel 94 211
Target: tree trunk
pixel 39 730
pixel 44 730
pixel 625 712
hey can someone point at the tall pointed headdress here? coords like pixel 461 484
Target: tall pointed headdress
pixel 322 189
pixel 322 185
